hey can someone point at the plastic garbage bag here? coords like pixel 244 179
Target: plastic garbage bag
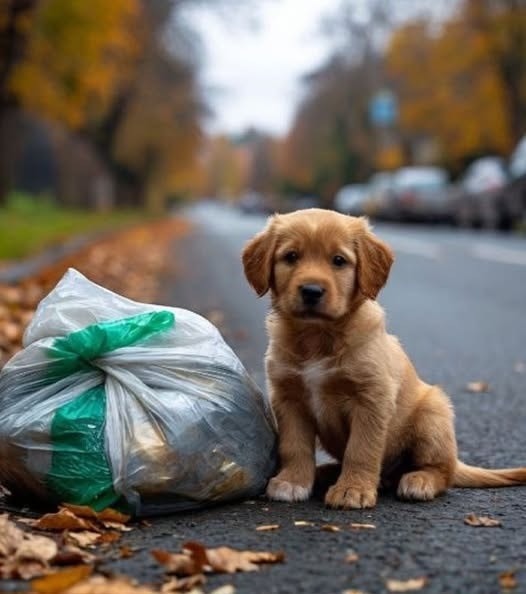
pixel 123 404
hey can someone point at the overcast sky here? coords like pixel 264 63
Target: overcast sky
pixel 251 73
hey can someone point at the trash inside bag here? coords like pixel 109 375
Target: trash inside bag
pixel 114 403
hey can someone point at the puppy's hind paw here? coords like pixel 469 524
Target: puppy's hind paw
pixel 281 490
pixel 417 486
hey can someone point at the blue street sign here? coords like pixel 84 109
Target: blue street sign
pixel 383 108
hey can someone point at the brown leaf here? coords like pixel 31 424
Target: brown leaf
pixel 109 537
pixel 61 580
pixel 184 584
pixel 126 552
pixel 477 387
pixel 11 536
pixel 227 560
pixel 330 528
pixel 36 548
pixel 72 555
pixel 195 559
pixel 116 526
pixel 267 527
pixel 507 580
pixel 86 538
pixel 303 523
pixel 30 559
pixel 177 563
pixel 474 520
pixel 406 585
pixel 357 526
pixel 64 519
pixel 226 589
pixel 106 515
pixel 102 585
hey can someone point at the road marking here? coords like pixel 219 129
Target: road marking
pixel 499 254
pixel 415 247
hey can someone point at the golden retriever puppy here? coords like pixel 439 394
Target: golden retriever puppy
pixel 336 375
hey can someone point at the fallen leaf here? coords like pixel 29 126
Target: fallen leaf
pixel 11 536
pixel 357 526
pixel 126 552
pixel 474 520
pixel 477 387
pixel 196 558
pixel 106 515
pixel 61 580
pixel 109 537
pixel 72 555
pixel 330 528
pixel 102 585
pixel 177 563
pixel 184 584
pixel 267 527
pixel 227 560
pixel 507 580
pixel 36 548
pixel 354 592
pixel 303 523
pixel 406 585
pixel 351 557
pixel 116 526
pixel 64 519
pixel 226 589
pixel 84 539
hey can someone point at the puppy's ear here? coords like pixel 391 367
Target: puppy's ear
pixel 257 259
pixel 374 263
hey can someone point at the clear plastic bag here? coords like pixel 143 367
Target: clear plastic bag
pixel 118 403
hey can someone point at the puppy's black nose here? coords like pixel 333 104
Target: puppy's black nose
pixel 311 294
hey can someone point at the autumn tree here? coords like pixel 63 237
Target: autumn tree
pixel 449 88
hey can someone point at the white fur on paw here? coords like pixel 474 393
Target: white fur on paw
pixel 284 491
pixel 416 486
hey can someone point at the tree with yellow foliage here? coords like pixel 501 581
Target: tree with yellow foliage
pixel 465 83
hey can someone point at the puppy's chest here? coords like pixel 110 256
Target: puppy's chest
pixel 328 391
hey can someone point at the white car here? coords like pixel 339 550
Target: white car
pixel 350 199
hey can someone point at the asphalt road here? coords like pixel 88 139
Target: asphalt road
pixel 457 300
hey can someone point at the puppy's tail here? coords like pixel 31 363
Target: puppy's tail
pixel 475 477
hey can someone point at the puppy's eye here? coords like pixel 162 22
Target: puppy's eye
pixel 339 261
pixel 291 257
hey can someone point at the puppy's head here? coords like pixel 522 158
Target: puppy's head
pixel 316 263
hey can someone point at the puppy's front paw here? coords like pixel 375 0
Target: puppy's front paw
pixel 284 490
pixel 348 497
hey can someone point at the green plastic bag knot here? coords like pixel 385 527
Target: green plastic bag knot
pixel 76 351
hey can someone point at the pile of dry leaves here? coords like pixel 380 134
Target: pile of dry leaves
pixel 64 553
pixel 130 262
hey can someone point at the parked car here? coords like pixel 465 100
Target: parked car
pixel 476 201
pixel 351 199
pixel 254 203
pixel 419 194
pixel 378 189
pixel 513 201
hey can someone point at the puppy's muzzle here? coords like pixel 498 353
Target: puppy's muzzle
pixel 311 294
